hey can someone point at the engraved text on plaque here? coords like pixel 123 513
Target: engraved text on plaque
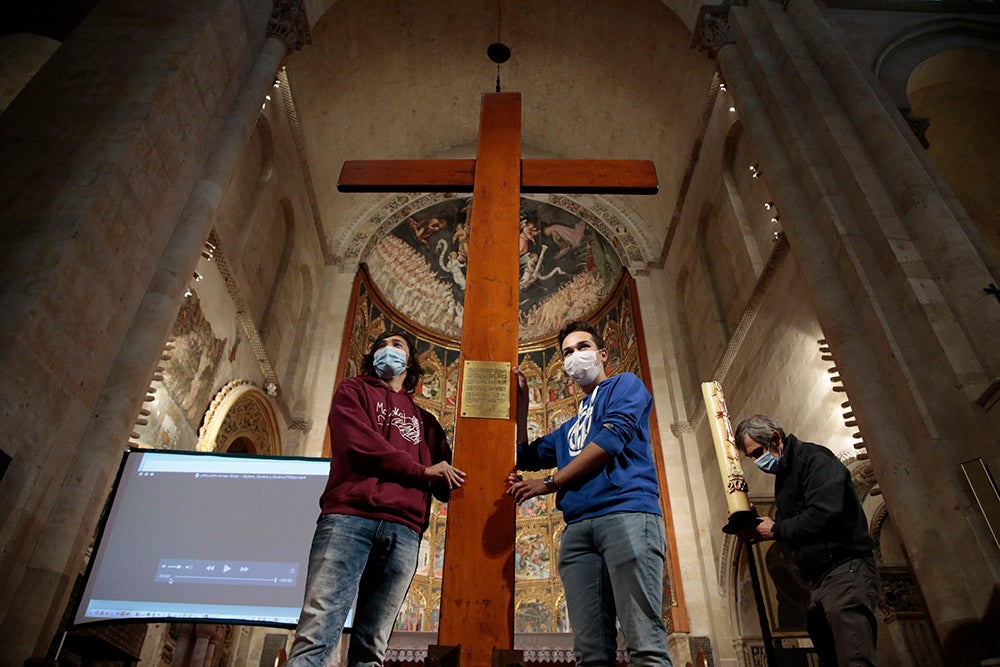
pixel 486 389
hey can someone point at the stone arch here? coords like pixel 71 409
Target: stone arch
pixel 904 51
pixel 689 355
pixel 287 216
pixel 731 171
pixel 240 416
pixel 299 352
pixel 952 97
pixel 708 267
pixel 264 134
pixel 253 185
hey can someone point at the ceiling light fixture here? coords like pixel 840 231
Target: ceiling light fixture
pixel 498 52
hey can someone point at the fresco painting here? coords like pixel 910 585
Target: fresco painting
pixel 534 617
pixel 532 557
pixel 565 266
pixel 189 374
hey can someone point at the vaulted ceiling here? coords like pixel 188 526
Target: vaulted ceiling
pixel 404 78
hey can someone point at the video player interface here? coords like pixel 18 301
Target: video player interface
pixel 213 537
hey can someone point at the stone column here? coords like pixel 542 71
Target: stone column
pixel 923 219
pixel 52 521
pixel 908 628
pixel 206 639
pixel 181 649
pixel 905 354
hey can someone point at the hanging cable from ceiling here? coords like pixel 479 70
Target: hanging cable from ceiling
pixel 498 52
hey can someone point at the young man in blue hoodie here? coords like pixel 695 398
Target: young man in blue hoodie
pixel 612 551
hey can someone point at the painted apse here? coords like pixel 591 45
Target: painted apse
pixel 565 267
pixel 414 279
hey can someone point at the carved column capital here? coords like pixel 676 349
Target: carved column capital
pixel 712 30
pixel 901 597
pixel 290 24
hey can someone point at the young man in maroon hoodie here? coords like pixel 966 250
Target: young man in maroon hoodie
pixel 387 457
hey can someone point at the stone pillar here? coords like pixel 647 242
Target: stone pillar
pixel 185 632
pixel 101 246
pixel 913 361
pixel 907 626
pixel 206 639
pixel 924 220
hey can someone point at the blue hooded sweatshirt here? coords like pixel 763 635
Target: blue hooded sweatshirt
pixel 615 416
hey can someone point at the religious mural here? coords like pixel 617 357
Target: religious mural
pixel 553 398
pixel 566 267
pixel 189 373
pixel 183 388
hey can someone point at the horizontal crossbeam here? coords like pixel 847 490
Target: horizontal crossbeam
pixel 623 177
pixel 618 177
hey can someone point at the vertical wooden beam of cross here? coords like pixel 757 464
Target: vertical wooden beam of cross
pixel 477 591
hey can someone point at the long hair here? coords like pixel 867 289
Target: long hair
pixel 414 371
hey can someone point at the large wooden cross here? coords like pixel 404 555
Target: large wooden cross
pixel 477 592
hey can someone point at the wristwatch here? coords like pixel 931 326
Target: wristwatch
pixel 550 483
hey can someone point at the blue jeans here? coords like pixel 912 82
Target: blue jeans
pixel 614 565
pixel 353 556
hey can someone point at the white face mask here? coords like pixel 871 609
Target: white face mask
pixel 583 366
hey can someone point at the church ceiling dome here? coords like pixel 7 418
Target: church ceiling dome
pixel 566 267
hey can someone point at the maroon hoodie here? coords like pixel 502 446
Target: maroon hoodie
pixel 381 443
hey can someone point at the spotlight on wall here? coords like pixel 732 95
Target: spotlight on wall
pixel 722 87
pixel 775 219
pixel 732 109
pixel 768 205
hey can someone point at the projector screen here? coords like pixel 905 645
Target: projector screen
pixel 191 536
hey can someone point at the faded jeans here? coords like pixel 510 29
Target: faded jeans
pixel 613 565
pixel 353 556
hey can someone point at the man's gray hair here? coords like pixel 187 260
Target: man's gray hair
pixel 759 428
